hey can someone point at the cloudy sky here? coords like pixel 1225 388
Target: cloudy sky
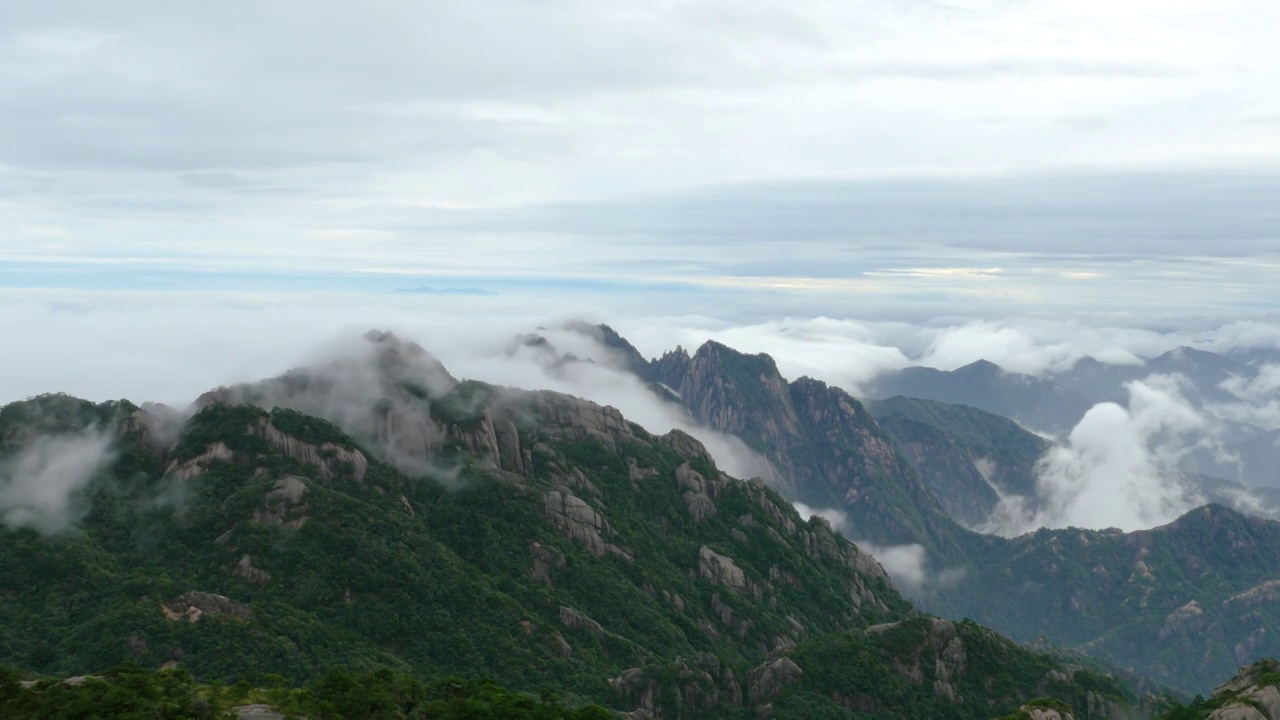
pixel 735 157
pixel 194 194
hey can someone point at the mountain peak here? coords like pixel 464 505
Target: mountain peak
pixel 980 367
pixel 713 349
pixel 626 354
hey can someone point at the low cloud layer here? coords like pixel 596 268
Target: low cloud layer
pixel 171 347
pixel 908 565
pixel 1120 466
pixel 41 483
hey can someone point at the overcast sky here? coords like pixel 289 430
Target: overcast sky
pixel 737 157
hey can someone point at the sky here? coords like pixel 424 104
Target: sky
pixel 200 194
pixel 904 158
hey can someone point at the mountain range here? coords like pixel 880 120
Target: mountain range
pixel 374 511
pixel 905 472
pixel 1055 402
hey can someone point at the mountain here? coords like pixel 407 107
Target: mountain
pixel 1034 402
pixel 1075 588
pixel 1253 694
pixel 970 460
pixel 374 514
pixel 967 458
pixel 1055 402
pixel 1183 603
pixel 624 354
pixel 825 447
pixel 1204 371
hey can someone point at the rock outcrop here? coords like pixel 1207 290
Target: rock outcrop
pixel 191 606
pixel 817 444
pixel 701 684
pixel 769 679
pixel 327 458
pixel 196 466
pixel 579 522
pixel 1250 695
pixel 721 570
pixel 283 501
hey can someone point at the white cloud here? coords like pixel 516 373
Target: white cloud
pixel 837 518
pixel 907 565
pixel 39 484
pixel 190 134
pixel 1118 468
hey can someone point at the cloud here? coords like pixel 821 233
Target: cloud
pixel 1120 466
pixel 1121 460
pixel 40 484
pixel 839 521
pixel 907 565
pixel 614 131
pixel 600 376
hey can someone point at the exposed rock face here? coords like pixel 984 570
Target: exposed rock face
pixel 1267 592
pixel 1246 650
pixel 575 620
pixel 246 570
pixel 196 466
pixel 721 570
pixel 545 559
pixel 968 458
pixel 820 445
pixel 1188 618
pixel 1238 712
pixel 579 522
pixel 1046 714
pixel 698 492
pixel 701 685
pixel 576 419
pixel 729 618
pixel 283 498
pixel 1267 698
pixel 156 426
pixel 1252 695
pixel 379 392
pixel 258 712
pixel 951 662
pixel 948 649
pixel 768 680
pixel 191 606
pixel 327 458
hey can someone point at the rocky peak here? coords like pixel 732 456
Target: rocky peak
pixel 1251 695
pixel 625 355
pixel 980 368
pixel 405 360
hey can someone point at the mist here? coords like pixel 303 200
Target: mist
pixel 41 484
pixel 907 565
pixel 1120 466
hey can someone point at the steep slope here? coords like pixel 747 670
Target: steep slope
pixel 545 542
pixel 624 354
pixel 1184 603
pixel 295 550
pixel 967 458
pixel 1204 371
pixel 827 449
pixel 921 667
pixel 1076 588
pixel 1253 694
